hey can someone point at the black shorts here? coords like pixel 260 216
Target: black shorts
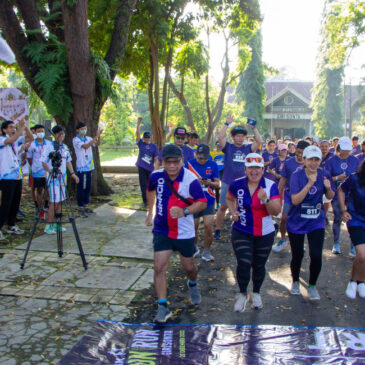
pixel 207 211
pixel 357 235
pixel 184 246
pixel 39 182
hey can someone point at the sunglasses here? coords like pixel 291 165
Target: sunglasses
pixel 254 159
pixel 180 138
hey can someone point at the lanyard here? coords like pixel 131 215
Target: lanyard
pixel 85 150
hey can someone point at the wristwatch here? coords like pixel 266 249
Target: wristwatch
pixel 186 212
pixel 267 201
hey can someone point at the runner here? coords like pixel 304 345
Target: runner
pixel 290 166
pixel 234 162
pixel 218 157
pixel 333 149
pixel 361 156
pixel 207 173
pixel 179 196
pixel 193 139
pixel 356 148
pixel 277 164
pixel 252 200
pixel 326 155
pixel 351 198
pixel 147 158
pixel 306 216
pixel 340 167
pixel 269 155
pixel 291 149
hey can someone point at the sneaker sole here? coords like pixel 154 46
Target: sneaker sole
pixel 11 232
pixel 244 307
pixel 207 260
pixel 257 307
pixel 314 299
pixel 165 320
pixel 350 297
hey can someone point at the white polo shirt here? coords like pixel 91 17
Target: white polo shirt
pixel 10 168
pixel 84 157
pixel 35 152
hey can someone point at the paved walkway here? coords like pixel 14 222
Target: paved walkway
pixel 50 304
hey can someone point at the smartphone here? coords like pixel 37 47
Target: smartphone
pixel 251 122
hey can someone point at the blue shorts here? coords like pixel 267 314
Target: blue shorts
pixel 207 211
pixel 223 193
pixel 185 247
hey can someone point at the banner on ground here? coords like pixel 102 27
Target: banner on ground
pixel 147 344
pixel 13 104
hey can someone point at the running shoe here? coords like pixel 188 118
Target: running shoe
pixel 82 213
pixel 42 215
pixel 241 301
pixel 336 248
pixel 361 290
pixel 256 301
pixel 207 256
pixel 217 234
pixel 313 293
pixel 163 314
pixel 15 230
pixel 295 288
pixel 49 229
pixel 352 252
pixel 195 297
pixel 197 251
pixel 280 245
pixel 351 290
pixel 63 229
pixel 89 211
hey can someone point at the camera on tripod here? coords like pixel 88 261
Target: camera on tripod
pixel 56 158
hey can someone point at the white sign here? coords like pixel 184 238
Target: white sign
pixel 13 104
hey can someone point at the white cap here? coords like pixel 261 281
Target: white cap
pixel 312 151
pixel 345 144
pixel 254 159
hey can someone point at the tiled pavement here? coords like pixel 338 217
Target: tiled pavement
pixel 50 304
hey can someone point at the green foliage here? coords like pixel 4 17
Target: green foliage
pixel 102 75
pixel 51 75
pixel 251 88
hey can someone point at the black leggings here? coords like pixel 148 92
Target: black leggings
pixel 315 243
pixel 143 175
pixel 10 201
pixel 251 251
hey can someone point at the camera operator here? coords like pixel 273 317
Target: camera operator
pixel 11 173
pixel 84 165
pixel 55 158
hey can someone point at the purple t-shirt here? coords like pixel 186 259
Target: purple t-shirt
pixel 188 186
pixel 277 165
pixel 360 157
pixel 356 150
pixel 188 153
pixel 234 167
pixel 269 157
pixel 146 155
pixel 355 201
pixel 290 166
pixel 325 160
pixel 337 166
pixel 309 215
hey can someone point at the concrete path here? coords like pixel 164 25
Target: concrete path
pixel 50 304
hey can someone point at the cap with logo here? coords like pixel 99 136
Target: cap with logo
pixel 171 151
pixel 312 152
pixel 180 131
pixel 147 135
pixel 203 151
pixel 254 159
pixel 283 146
pixel 345 144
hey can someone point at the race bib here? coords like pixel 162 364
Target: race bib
pixel 147 159
pixel 310 211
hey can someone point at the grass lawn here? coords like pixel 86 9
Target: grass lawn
pixel 114 154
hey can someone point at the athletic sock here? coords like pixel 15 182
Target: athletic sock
pixel 192 283
pixel 162 302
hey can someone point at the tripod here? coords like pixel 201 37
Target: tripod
pixel 57 186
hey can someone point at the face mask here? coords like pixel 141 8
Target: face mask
pixel 83 132
pixel 40 135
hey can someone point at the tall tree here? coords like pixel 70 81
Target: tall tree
pixel 251 89
pixel 69 52
pixel 327 94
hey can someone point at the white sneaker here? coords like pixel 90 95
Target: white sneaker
pixel 15 229
pixel 295 288
pixel 241 302
pixel 361 290
pixel 256 301
pixel 280 245
pixel 351 290
pixel 313 293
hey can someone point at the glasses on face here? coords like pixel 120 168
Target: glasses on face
pixel 172 162
pixel 179 138
pixel 254 159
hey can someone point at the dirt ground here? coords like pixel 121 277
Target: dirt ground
pixel 218 287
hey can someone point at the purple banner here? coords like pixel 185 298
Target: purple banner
pixel 119 343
